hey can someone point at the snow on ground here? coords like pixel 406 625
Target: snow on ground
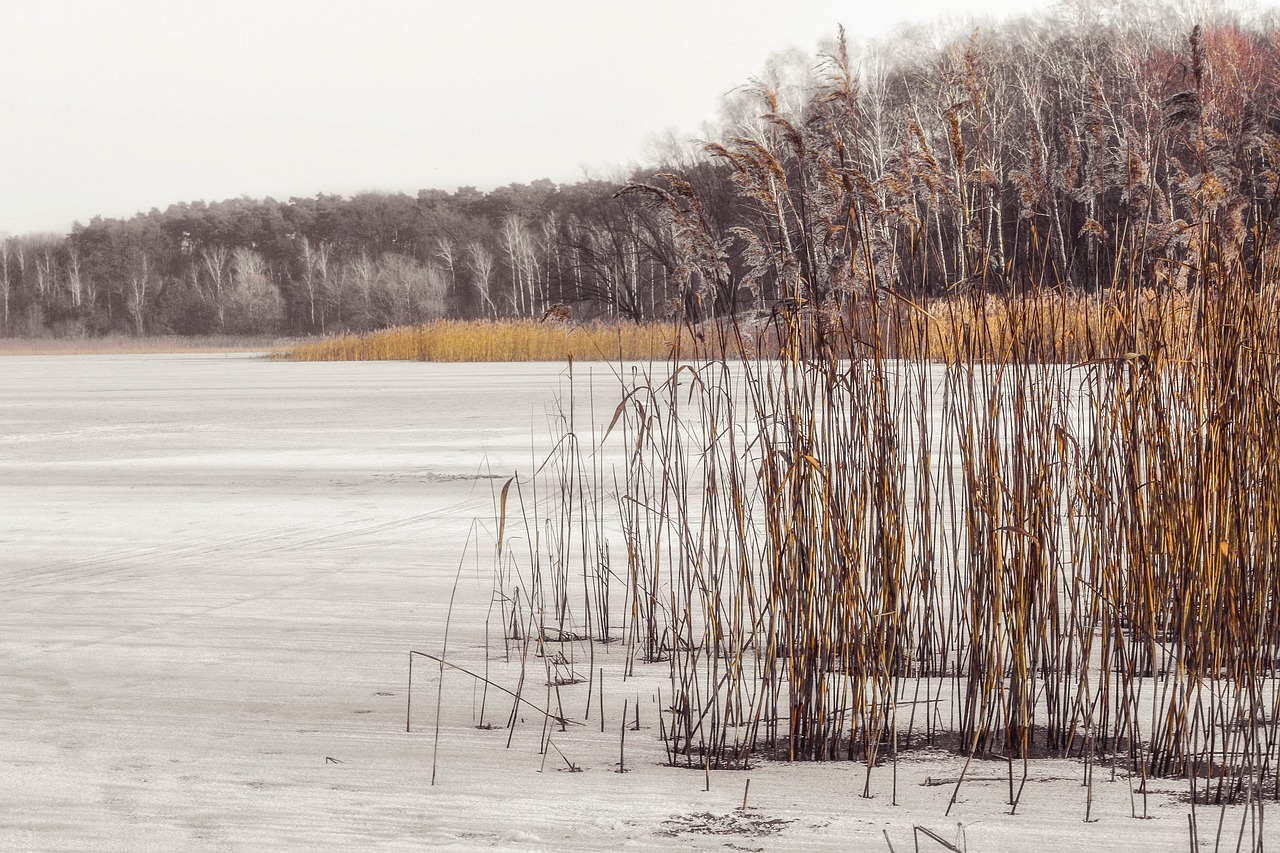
pixel 212 570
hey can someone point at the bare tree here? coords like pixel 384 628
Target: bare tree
pixel 447 252
pixel 255 304
pixel 75 281
pixel 337 287
pixel 517 246
pixel 6 284
pixel 550 241
pixel 46 273
pixel 216 260
pixel 315 276
pixel 481 262
pixel 322 275
pixel 139 291
pixel 362 273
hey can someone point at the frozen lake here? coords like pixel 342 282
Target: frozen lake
pixel 212 569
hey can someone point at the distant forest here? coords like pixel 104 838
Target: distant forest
pixel 1083 149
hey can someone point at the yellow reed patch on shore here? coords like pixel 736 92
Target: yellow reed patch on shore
pixel 506 340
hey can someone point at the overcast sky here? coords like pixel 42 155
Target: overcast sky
pixel 114 107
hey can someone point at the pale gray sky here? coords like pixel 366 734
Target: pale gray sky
pixel 114 107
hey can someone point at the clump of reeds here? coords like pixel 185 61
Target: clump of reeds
pixel 1015 522
pixel 840 557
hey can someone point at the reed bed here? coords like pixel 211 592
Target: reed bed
pixel 510 340
pixel 1060 327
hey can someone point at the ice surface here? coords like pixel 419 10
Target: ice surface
pixel 212 569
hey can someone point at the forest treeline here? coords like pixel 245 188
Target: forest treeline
pixel 1084 149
